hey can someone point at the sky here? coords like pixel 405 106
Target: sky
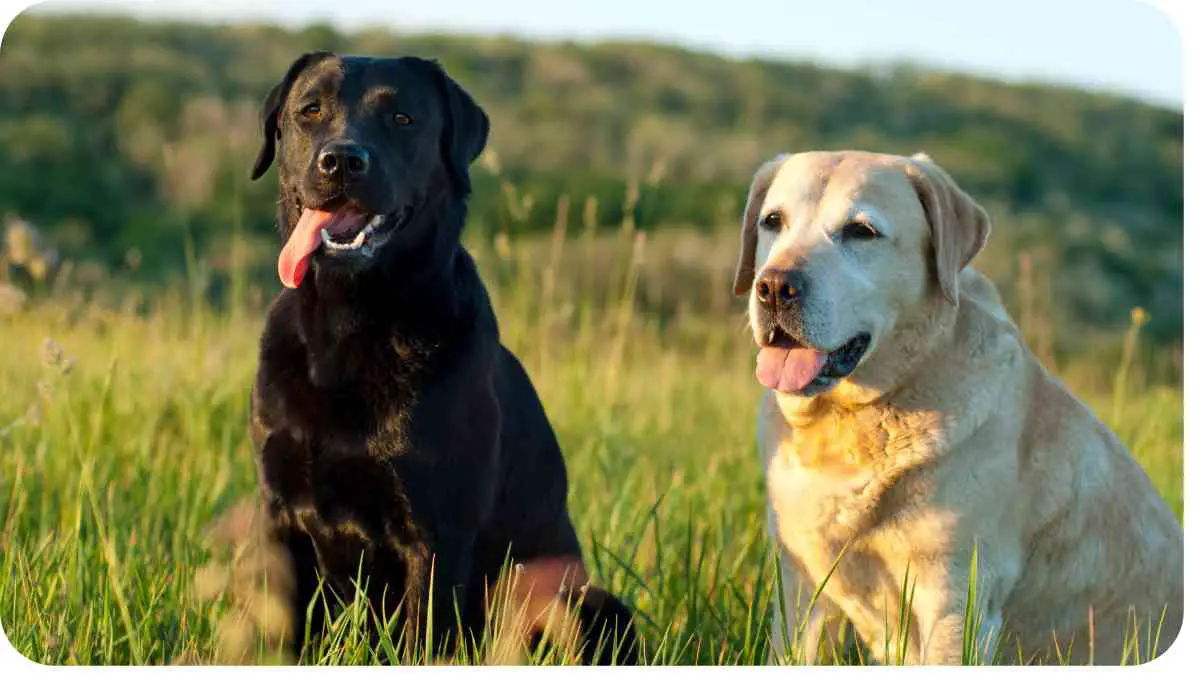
pixel 1122 46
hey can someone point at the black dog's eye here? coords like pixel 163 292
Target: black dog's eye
pixel 856 230
pixel 312 111
pixel 402 119
pixel 773 221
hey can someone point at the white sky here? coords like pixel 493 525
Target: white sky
pixel 1124 46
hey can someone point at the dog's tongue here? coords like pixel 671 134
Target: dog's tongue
pixel 788 370
pixel 306 237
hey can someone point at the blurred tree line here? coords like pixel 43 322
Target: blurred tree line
pixel 130 143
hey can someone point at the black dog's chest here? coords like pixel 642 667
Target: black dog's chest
pixel 332 461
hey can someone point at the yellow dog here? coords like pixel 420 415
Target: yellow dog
pixel 907 428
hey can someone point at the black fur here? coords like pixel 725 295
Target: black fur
pixel 394 432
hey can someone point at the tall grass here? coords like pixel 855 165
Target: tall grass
pixel 123 432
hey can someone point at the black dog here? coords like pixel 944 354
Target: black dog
pixel 398 441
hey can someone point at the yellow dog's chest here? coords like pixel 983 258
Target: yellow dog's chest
pixel 816 512
pixel 821 477
pixel 831 473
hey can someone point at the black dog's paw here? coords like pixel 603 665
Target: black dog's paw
pixel 531 621
pixel 250 578
pixel 608 633
pixel 586 626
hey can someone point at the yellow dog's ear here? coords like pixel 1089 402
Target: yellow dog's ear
pixel 744 277
pixel 958 226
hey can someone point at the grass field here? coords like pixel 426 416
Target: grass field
pixel 123 433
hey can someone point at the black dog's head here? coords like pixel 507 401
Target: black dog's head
pixel 371 152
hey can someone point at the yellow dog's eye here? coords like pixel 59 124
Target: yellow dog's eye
pixel 772 221
pixel 402 119
pixel 856 230
pixel 312 111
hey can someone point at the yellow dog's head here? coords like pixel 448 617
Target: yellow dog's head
pixel 841 253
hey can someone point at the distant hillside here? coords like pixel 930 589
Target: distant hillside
pixel 118 134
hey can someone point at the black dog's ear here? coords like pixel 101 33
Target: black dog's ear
pixel 465 132
pixel 269 115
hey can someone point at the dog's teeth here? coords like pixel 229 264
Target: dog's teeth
pixel 357 243
pixel 771 336
pixel 375 222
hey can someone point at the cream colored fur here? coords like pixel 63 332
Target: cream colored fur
pixel 949 438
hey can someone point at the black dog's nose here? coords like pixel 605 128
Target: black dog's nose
pixel 778 287
pixel 343 159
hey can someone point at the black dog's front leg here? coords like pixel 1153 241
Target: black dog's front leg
pixel 306 632
pixel 452 490
pixel 450 566
pixel 439 590
pixel 285 481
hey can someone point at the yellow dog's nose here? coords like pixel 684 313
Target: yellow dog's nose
pixel 778 287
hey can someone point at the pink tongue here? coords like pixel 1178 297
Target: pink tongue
pixel 306 237
pixel 788 370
